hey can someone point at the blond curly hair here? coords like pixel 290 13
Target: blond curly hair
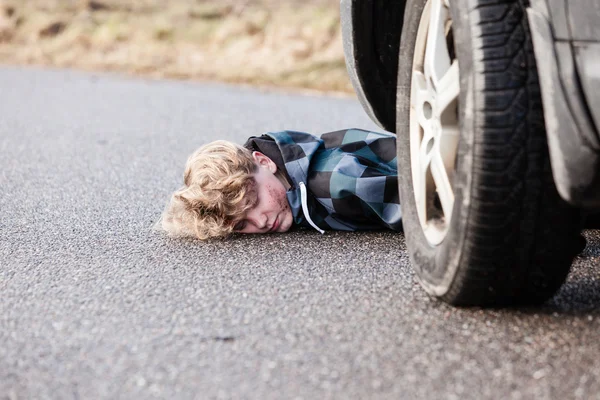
pixel 219 188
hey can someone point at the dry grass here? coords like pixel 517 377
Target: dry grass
pixel 290 43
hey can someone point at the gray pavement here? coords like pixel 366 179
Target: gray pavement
pixel 94 304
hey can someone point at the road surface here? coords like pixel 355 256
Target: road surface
pixel 94 304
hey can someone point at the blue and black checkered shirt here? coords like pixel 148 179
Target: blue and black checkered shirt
pixel 351 176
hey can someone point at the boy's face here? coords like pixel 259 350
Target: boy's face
pixel 272 212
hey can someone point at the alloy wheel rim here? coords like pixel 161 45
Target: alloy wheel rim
pixel 434 126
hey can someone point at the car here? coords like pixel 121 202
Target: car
pixel 496 108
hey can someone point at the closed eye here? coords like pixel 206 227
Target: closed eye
pixel 240 226
pixel 252 201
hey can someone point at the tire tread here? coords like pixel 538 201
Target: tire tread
pixel 512 183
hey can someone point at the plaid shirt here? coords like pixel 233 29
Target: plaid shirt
pixel 351 176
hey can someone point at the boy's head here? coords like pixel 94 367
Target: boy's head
pixel 227 188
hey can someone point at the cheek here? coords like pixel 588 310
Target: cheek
pixel 283 203
pixel 278 197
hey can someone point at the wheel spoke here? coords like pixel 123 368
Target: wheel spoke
pixel 449 146
pixel 447 89
pixel 424 150
pixel 437 58
pixel 421 95
pixel 442 183
pixel 420 186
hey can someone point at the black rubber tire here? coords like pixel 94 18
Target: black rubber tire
pixel 511 239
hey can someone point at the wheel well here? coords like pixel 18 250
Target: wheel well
pixel 376 32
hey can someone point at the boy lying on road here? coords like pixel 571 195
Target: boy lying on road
pixel 346 180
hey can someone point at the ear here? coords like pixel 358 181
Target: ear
pixel 264 161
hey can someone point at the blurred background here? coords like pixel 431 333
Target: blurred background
pixel 284 43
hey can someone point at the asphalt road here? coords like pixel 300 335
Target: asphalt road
pixel 94 304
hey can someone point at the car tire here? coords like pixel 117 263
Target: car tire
pixel 483 221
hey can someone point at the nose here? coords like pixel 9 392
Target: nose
pixel 258 218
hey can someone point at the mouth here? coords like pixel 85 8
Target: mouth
pixel 275 225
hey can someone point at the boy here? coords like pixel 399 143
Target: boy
pixel 346 180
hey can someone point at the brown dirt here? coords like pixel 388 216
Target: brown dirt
pixel 289 43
